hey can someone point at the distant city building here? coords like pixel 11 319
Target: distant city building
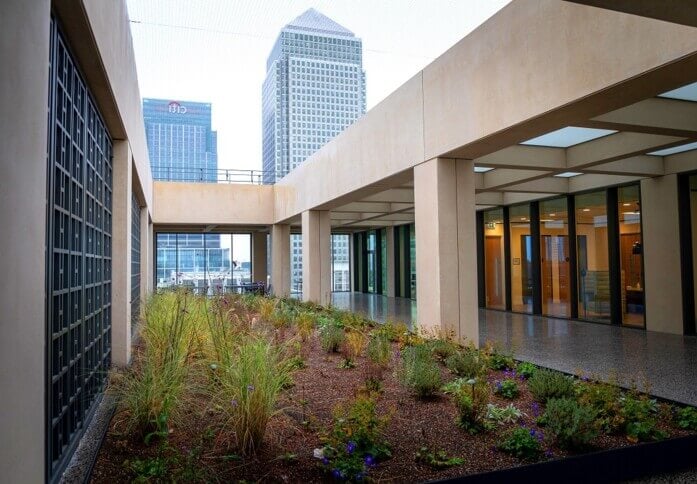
pixel 183 147
pixel 181 143
pixel 314 89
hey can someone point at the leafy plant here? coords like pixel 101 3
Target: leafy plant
pixel 640 422
pixel 686 418
pixel 443 348
pixel 604 398
pixel 356 440
pixel 523 443
pixel 503 415
pixel 573 425
pixel 395 332
pixel 547 384
pixel 507 388
pixel 437 459
pixel 331 336
pixel 378 349
pixel 471 399
pixel 147 469
pixel 499 359
pixel 526 369
pixel 467 363
pixel 419 371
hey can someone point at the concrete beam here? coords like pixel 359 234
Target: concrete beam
pixel 676 11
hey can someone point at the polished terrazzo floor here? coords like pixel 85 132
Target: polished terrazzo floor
pixel 668 362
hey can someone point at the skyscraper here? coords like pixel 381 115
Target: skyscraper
pixel 183 147
pixel 181 143
pixel 314 89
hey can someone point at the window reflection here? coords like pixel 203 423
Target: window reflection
pixel 494 259
pixel 593 257
pixel 554 258
pixel 521 258
pixel 631 256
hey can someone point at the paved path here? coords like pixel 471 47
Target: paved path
pixel 668 362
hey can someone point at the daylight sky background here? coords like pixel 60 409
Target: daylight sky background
pixel 215 51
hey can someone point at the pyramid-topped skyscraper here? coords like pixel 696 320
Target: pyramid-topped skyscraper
pixel 314 89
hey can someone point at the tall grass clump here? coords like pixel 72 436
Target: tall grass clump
pixel 547 384
pixel 305 321
pixel 150 393
pixel 419 371
pixel 247 389
pixel 331 335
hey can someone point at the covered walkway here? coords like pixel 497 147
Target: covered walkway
pixel 668 362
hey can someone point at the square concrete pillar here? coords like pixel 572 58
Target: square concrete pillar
pixel 121 255
pixel 146 265
pixel 446 247
pixel 280 260
pixel 661 248
pixel 389 245
pixel 259 270
pixel 317 258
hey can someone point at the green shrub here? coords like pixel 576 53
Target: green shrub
pixel 526 369
pixel 467 363
pixel 471 399
pixel 500 359
pixel 419 371
pixel 686 418
pixel 356 440
pixel 604 398
pixel 503 415
pixel 378 349
pixel 640 422
pixel 331 337
pixel 547 384
pixel 572 425
pixel 443 348
pixel 437 459
pixel 523 443
pixel 507 388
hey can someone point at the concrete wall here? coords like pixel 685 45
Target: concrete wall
pixel 661 246
pixel 24 37
pixel 210 203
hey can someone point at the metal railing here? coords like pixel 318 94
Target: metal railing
pixel 204 175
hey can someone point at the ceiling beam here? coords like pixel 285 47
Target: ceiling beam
pixel 641 165
pixel 524 156
pixel 676 11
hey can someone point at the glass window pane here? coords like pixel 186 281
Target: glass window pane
pixel 554 258
pixel 494 277
pixel 521 258
pixel 241 258
pixel 412 259
pixel 340 263
pixel 593 257
pixel 371 261
pixel 631 256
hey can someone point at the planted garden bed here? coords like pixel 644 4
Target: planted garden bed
pixel 249 388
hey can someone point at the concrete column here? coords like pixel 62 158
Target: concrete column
pixel 121 255
pixel 24 43
pixel 661 247
pixel 146 265
pixel 259 270
pixel 280 260
pixel 317 262
pixel 389 245
pixel 446 247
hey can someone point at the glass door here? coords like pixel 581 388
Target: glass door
pixel 554 258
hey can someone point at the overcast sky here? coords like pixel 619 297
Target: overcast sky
pixel 215 51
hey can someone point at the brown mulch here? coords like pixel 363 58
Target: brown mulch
pixel 307 410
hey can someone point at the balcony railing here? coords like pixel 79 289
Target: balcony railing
pixel 203 175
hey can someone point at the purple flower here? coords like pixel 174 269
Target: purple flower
pixel 350 447
pixel 336 473
pixel 532 432
pixel 325 461
pixel 233 402
pixel 250 388
pixel 359 476
pixel 535 409
pixel 549 454
pixel 369 461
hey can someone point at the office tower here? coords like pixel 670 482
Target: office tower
pixel 181 143
pixel 314 89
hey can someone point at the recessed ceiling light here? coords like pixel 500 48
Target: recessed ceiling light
pixel 552 214
pixel 586 209
pixel 482 169
pixel 568 174
pixel 626 204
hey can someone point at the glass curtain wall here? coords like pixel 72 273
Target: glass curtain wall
pixel 592 248
pixel 412 258
pixel 372 261
pixel 631 256
pixel 203 262
pixel 341 281
pixel 554 258
pixel 383 259
pixel 494 266
pixel 520 236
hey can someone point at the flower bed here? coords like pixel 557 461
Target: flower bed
pixel 250 388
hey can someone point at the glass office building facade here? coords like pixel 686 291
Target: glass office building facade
pixel 181 143
pixel 577 256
